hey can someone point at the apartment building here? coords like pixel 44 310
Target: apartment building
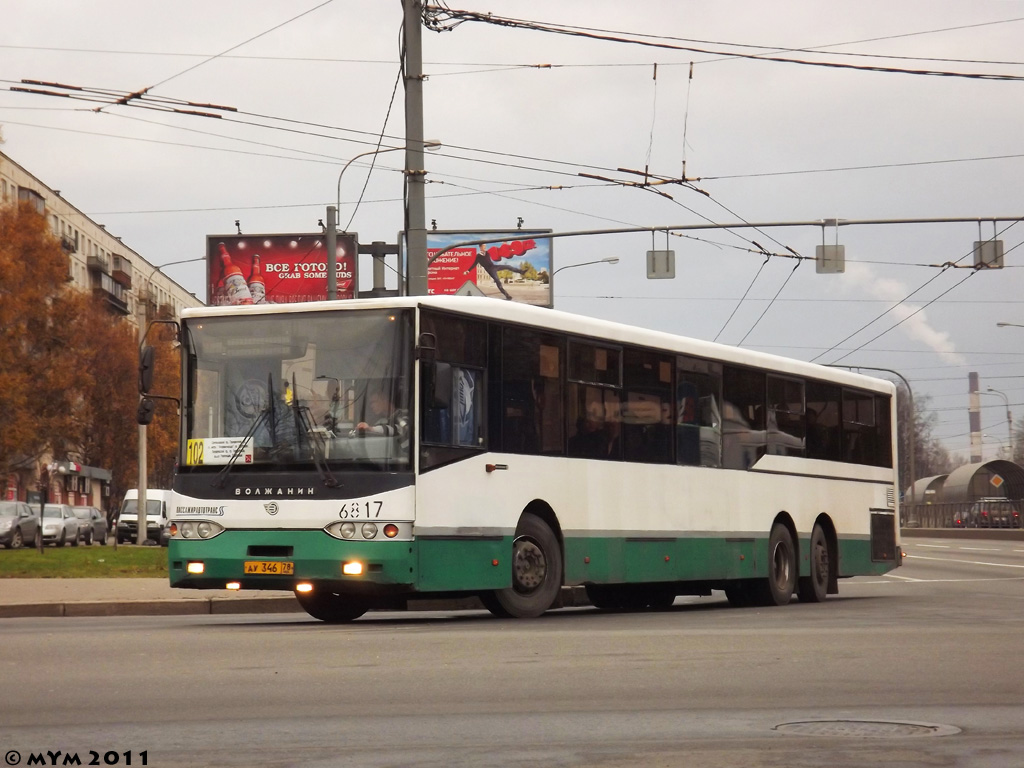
pixel 97 259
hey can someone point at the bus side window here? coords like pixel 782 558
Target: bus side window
pixel 647 407
pixel 743 415
pixel 698 412
pixel 785 428
pixel 594 415
pixel 822 421
pixel 531 392
pixel 437 396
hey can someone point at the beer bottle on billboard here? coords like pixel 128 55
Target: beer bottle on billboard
pixel 235 288
pixel 257 287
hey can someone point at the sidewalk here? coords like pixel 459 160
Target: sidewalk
pixel 130 597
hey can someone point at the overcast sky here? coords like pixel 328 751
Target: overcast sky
pixel 762 141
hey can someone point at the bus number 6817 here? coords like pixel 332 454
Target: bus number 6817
pixel 360 509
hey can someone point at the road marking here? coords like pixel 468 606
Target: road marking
pixel 968 562
pixel 934 546
pixel 946 581
pixel 980 549
pixel 894 576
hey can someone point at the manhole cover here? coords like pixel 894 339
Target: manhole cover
pixel 865 729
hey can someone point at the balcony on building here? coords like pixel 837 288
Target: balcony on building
pixel 121 270
pixel 96 263
pixel 68 243
pixel 33 198
pixel 147 300
pixel 112 292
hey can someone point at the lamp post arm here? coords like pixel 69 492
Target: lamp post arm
pixel 361 154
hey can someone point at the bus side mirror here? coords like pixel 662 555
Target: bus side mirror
pixel 145 370
pixel 427 347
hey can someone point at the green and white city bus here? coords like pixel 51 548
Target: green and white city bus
pixel 520 450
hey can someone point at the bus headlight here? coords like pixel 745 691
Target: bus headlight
pixel 369 530
pixel 348 530
pixel 192 529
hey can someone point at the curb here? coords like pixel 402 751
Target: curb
pixel 185 607
pixel 569 597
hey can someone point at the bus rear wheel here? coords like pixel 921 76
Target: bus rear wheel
pixel 536 573
pixel 814 588
pixel 331 607
pixel 778 588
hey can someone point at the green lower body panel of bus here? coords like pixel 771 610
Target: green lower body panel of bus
pixel 617 560
pixel 279 559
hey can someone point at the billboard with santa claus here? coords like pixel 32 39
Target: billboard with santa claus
pixel 276 269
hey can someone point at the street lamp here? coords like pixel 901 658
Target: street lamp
pixel 1009 418
pixel 431 145
pixel 605 260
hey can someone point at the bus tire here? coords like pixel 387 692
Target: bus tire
pixel 778 588
pixel 536 573
pixel 330 607
pixel 814 588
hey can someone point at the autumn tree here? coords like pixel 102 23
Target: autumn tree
pixel 37 371
pixel 69 367
pixel 105 433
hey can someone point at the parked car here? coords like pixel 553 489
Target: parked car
pixel 996 513
pixel 18 524
pixel 92 524
pixel 962 520
pixel 60 526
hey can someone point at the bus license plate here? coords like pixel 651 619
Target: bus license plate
pixel 270 567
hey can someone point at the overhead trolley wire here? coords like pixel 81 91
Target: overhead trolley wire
pixel 442 19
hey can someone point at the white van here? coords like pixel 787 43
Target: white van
pixel 156 516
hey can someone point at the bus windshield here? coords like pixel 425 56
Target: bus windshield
pixel 330 389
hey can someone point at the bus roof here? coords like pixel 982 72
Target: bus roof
pixel 556 320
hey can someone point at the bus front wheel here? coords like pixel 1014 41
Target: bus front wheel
pixel 330 606
pixel 536 573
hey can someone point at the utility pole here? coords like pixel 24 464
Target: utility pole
pixel 415 214
pixel 332 253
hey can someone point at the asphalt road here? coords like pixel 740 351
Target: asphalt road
pixel 921 667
